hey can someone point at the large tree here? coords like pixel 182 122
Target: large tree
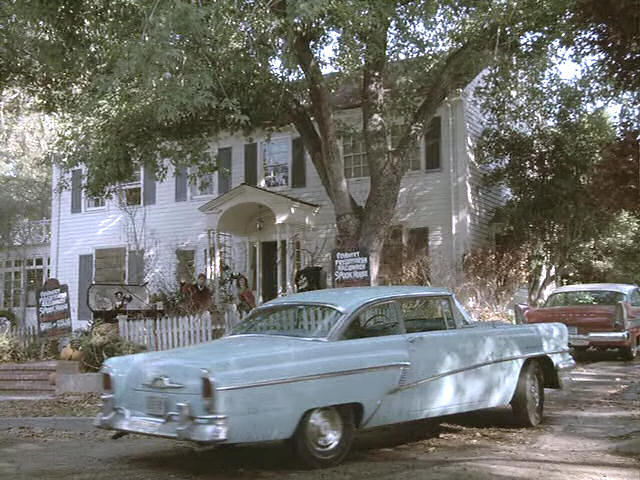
pixel 146 80
pixel 26 136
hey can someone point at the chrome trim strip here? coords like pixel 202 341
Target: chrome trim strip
pixel 472 367
pixel 317 376
pixel 600 337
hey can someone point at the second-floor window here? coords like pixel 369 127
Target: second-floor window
pixel 276 153
pixel 131 194
pixel 354 156
pixel 92 203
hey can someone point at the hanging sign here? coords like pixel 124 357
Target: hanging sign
pixel 351 268
pixel 54 314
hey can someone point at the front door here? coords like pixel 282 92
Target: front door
pixel 269 256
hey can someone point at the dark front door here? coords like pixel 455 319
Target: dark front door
pixel 269 270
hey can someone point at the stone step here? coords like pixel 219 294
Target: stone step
pixel 29 366
pixel 27 386
pixel 22 376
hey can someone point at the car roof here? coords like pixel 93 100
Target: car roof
pixel 609 287
pixel 350 298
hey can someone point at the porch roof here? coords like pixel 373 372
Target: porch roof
pixel 241 209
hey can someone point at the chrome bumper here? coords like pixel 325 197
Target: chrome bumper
pixel 178 425
pixel 585 339
pixel 564 372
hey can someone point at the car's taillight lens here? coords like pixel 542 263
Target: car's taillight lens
pixel 207 393
pixel 107 384
pixel 621 319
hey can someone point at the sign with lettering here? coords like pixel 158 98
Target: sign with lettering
pixel 54 314
pixel 351 268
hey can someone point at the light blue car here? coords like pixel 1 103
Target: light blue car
pixel 316 367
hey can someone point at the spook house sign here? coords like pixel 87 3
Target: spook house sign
pixel 351 268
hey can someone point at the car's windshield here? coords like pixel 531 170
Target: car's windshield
pixel 586 297
pixel 309 321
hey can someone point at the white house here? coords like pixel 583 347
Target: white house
pixel 264 213
pixel 24 267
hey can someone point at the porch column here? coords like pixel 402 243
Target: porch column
pixel 291 258
pixel 259 270
pixel 216 266
pixel 280 290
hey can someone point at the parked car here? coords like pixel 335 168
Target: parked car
pixel 315 367
pixel 600 315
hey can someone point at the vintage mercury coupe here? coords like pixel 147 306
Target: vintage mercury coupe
pixel 317 366
pixel 598 315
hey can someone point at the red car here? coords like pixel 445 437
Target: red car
pixel 599 315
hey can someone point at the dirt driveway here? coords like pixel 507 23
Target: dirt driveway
pixel 592 431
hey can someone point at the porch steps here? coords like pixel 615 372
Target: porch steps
pixel 32 379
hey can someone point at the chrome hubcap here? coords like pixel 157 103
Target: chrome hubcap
pixel 324 429
pixel 534 393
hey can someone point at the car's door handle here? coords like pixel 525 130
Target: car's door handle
pixel 412 339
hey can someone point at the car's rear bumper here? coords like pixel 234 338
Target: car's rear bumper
pixel 599 339
pixel 179 425
pixel 564 369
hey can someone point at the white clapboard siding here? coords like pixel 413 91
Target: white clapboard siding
pixel 172 332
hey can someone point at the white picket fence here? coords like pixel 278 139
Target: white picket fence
pixel 26 335
pixel 173 332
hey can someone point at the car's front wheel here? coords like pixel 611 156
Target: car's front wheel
pixel 324 436
pixel 528 401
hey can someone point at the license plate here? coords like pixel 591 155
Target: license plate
pixel 156 405
pixel 146 426
pixel 572 330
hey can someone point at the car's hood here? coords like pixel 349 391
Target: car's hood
pixel 181 369
pixel 588 317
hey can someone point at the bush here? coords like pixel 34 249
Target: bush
pixel 11 349
pixel 9 315
pixel 100 343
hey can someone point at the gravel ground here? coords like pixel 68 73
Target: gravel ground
pixel 592 431
pixel 70 405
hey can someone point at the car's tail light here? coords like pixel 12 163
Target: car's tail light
pixel 208 393
pixel 107 383
pixel 621 317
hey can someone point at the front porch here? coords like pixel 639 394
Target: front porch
pixel 262 233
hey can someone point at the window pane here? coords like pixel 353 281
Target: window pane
pixel 427 314
pixel 354 156
pixel 276 162
pixel 133 196
pixel 375 321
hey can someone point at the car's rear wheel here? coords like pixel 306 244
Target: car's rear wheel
pixel 324 436
pixel 528 401
pixel 630 352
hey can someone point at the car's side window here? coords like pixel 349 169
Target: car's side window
pixel 375 321
pixel 427 314
pixel 635 298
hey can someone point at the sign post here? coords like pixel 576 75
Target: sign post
pixel 54 314
pixel 351 268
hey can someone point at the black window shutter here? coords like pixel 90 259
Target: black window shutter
pixel 251 164
pixel 298 173
pixel 135 267
pixel 224 170
pixel 181 183
pixel 76 191
pixel 85 278
pixel 432 144
pixel 149 187
pixel 419 241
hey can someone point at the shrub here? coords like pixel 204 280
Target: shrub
pixel 11 349
pixel 10 316
pixel 100 343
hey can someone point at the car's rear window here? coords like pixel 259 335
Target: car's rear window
pixel 310 321
pixel 586 297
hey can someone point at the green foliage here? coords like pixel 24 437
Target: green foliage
pixel 11 349
pixel 100 343
pixel 10 316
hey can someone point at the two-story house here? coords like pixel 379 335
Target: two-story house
pixel 264 213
